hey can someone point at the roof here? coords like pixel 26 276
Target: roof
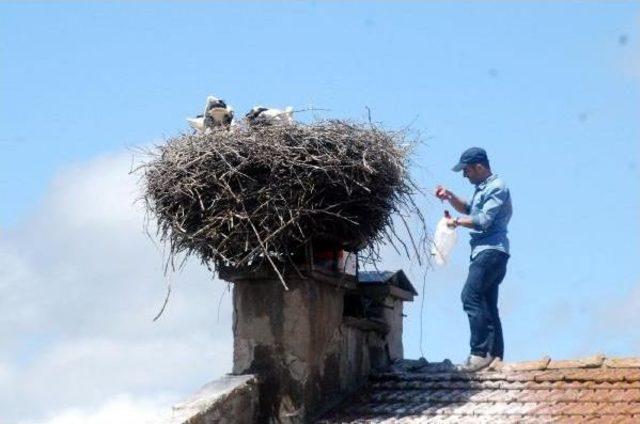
pixel 396 278
pixel 595 389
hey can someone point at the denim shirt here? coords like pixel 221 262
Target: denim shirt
pixel 490 211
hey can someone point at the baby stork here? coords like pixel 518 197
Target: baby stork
pixel 216 114
pixel 266 116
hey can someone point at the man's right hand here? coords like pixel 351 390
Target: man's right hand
pixel 458 204
pixel 442 193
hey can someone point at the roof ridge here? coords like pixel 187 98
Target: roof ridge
pixel 546 363
pixel 598 361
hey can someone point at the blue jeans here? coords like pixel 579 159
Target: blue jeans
pixel 480 302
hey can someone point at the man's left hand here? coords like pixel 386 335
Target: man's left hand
pixel 452 222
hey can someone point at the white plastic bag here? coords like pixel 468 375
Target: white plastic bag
pixel 443 240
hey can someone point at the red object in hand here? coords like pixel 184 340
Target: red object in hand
pixel 442 193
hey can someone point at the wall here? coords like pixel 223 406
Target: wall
pixel 228 400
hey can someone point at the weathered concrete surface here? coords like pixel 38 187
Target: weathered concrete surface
pixel 297 342
pixel 228 400
pixel 393 317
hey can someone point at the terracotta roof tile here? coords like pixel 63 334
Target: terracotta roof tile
pixel 632 375
pixel 540 364
pixel 584 390
pixel 597 395
pixel 626 395
pixel 529 395
pixel 518 408
pixel 589 362
pixel 547 376
pixel 574 419
pixel 622 362
pixel 595 375
pixel 603 419
pixel 522 376
pixel 613 409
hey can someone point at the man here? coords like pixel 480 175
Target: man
pixel 487 216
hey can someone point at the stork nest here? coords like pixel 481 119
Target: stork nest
pixel 244 196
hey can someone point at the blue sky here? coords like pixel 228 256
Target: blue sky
pixel 551 90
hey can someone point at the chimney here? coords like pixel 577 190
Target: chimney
pixel 311 345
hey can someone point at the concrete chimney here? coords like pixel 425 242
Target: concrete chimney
pixel 313 344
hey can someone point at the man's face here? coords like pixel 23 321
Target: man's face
pixel 472 173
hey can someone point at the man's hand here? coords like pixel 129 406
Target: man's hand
pixel 442 193
pixel 452 222
pixel 458 204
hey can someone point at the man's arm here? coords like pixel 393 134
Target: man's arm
pixel 458 204
pixel 485 217
pixel 461 221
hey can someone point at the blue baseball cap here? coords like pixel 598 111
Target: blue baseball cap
pixel 471 156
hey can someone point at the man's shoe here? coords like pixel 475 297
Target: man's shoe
pixel 475 363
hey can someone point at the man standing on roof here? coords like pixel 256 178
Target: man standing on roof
pixel 487 216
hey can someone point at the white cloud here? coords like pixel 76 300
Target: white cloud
pixel 122 409
pixel 79 285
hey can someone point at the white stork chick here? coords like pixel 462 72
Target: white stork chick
pixel 219 117
pixel 268 116
pixel 216 114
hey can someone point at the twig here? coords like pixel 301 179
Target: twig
pixel 268 256
pixel 166 300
